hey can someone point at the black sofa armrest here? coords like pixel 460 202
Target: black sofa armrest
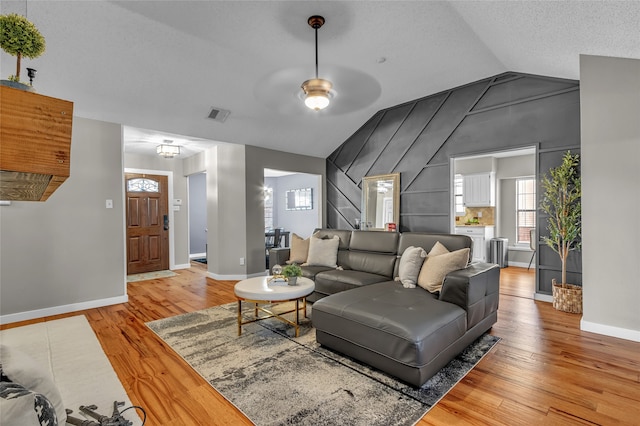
pixel 475 289
pixel 278 256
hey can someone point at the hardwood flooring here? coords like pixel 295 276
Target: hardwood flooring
pixel 543 371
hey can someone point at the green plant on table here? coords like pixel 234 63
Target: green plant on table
pixel 19 37
pixel 292 270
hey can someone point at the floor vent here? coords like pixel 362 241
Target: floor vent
pixel 219 114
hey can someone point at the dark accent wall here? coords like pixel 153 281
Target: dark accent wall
pixel 419 138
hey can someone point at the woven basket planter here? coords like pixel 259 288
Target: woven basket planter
pixel 567 297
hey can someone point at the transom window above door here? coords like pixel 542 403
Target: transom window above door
pixel 142 185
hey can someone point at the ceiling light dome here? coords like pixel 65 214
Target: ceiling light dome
pixel 316 90
pixel 316 93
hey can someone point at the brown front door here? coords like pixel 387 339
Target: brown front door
pixel 147 223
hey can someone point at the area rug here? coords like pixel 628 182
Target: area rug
pixel 277 379
pixel 150 276
pixel 200 260
pixel 69 349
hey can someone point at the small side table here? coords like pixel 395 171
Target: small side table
pixel 260 291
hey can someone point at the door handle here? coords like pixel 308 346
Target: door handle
pixel 166 222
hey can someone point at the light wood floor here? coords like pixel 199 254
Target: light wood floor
pixel 543 371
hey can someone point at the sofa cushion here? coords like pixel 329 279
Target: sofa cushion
pixel 435 268
pixel 410 264
pixel 299 249
pixel 408 326
pixel 311 271
pixel 333 281
pixel 323 252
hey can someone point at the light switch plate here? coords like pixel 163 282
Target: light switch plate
pixel 109 204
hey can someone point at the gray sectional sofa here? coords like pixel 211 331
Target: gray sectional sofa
pixel 410 333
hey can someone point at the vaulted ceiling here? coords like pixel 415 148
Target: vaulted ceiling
pixel 160 66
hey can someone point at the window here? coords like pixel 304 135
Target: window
pixel 458 184
pixel 268 207
pixel 142 185
pixel 526 209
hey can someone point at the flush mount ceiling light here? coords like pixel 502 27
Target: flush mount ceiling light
pixel 168 151
pixel 316 90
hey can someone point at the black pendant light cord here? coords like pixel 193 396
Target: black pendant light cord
pixel 316 28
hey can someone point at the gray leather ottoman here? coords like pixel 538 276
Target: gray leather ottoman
pixel 407 333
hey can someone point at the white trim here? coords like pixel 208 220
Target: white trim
pixel 520 248
pixel 234 277
pixel 543 297
pixel 521 264
pixel 609 330
pixel 182 266
pixel 64 309
pixel 169 174
pixel 197 255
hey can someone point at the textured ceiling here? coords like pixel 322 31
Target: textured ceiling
pixel 163 65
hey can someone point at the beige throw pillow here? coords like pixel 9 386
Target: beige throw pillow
pixel 435 268
pixel 323 252
pixel 438 249
pixel 410 264
pixel 299 250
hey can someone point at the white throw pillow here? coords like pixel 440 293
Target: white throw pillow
pixel 323 252
pixel 436 268
pixel 410 264
pixel 299 250
pixel 437 249
pixel 21 369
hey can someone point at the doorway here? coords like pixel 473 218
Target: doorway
pixel 504 208
pixel 147 223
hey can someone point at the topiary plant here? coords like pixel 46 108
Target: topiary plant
pixel 19 37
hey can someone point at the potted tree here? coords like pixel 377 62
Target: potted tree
pixel 562 202
pixel 19 37
pixel 291 273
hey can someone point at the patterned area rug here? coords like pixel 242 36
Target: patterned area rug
pixel 150 276
pixel 277 379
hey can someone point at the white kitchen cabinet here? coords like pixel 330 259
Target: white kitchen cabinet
pixel 480 236
pixel 479 190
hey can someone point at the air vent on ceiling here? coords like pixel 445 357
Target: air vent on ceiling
pixel 219 114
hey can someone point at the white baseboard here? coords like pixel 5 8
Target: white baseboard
pixel 197 255
pixel 543 297
pixel 181 266
pixel 64 309
pixel 608 330
pixel 234 277
pixel 521 264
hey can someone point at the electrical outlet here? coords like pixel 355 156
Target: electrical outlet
pixel 479 214
pixel 242 261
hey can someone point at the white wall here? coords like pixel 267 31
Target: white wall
pixel 197 213
pixel 610 148
pixel 67 253
pixel 302 222
pixel 508 169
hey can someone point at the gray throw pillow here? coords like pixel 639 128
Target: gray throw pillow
pixel 410 264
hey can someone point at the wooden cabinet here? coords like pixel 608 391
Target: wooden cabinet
pixel 480 236
pixel 479 190
pixel 35 152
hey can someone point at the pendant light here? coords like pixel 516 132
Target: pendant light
pixel 316 90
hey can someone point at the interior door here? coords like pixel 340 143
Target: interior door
pixel 147 223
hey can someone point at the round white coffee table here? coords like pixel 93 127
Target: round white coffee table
pixel 262 291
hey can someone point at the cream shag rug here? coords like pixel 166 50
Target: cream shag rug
pixel 277 379
pixel 81 371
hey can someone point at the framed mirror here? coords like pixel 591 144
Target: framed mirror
pixel 380 201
